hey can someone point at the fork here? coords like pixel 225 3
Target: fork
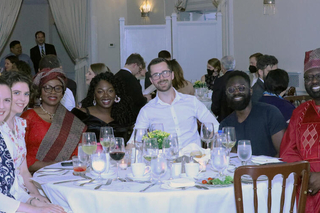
pixel 107 183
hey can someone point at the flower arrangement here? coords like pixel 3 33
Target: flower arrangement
pixel 198 84
pixel 160 135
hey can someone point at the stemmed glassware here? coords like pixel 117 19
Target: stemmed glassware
pixel 106 137
pixel 150 149
pixel 139 135
pixel 231 137
pixel 89 142
pixel 99 164
pixel 159 167
pixel 219 159
pixel 156 126
pixel 200 93
pixel 207 133
pixel 170 149
pixel 244 151
pixel 117 152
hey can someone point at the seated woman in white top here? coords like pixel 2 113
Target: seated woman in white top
pixel 179 83
pixel 15 190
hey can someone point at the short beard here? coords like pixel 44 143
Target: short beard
pixel 165 89
pixel 239 105
pixel 313 95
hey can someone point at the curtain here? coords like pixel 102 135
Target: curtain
pixel 71 18
pixel 9 11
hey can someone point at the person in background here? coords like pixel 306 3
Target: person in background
pixel 95 69
pixel 265 63
pixel 253 67
pixel 106 104
pixel 179 83
pixel 40 50
pixel 10 199
pixel 16 50
pixel 275 85
pixel 52 133
pixel 10 63
pixel 262 124
pixel 22 66
pixel 213 72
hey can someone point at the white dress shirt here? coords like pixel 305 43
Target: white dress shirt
pixel 178 117
pixel 68 100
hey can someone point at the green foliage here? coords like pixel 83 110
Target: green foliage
pixel 160 135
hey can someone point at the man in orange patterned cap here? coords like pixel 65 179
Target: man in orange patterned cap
pixel 301 140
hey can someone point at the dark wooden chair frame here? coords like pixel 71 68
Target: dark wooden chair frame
pixel 301 172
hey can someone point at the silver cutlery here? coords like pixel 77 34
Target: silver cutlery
pixel 85 176
pixel 137 181
pixel 59 168
pixel 82 184
pixel 106 184
pixel 52 174
pixel 67 181
pixel 201 187
pixel 147 187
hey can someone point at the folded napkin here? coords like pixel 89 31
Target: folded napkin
pixel 190 148
pixel 264 159
pixel 181 182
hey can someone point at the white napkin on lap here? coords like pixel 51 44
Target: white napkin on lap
pixel 264 159
pixel 181 182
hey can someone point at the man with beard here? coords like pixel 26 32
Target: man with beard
pixel 265 63
pixel 176 111
pixel 261 123
pixel 301 140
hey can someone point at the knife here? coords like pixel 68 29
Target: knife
pixel 201 187
pixel 67 181
pixel 147 187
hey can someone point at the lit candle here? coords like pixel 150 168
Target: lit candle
pixel 123 164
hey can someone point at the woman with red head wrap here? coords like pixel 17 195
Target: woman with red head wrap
pixel 52 132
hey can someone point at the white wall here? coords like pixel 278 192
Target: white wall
pixel 293 30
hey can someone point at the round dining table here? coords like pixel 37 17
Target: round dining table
pixel 126 196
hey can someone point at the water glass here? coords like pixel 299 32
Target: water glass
pixel 219 159
pixel 150 149
pixel 244 151
pixel 159 167
pixel 170 149
pixel 139 135
pixel 219 140
pixel 207 133
pixel 79 167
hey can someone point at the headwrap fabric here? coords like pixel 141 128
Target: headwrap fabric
pixel 312 59
pixel 48 74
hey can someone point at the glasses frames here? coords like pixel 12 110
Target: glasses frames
pixel 57 89
pixel 232 89
pixel 164 74
pixel 311 77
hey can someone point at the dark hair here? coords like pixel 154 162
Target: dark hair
pixel 157 61
pixel 44 35
pixel 24 67
pixel 276 81
pixel 238 73
pixel 49 61
pixel 120 112
pixel 14 43
pixel 136 58
pixel 215 63
pixel 3 81
pixel 178 81
pixel 13 59
pixel 256 56
pixel 164 54
pixel 265 61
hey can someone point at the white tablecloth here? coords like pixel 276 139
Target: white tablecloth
pixel 129 199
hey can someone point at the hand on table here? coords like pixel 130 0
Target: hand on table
pixel 314 183
pixel 49 208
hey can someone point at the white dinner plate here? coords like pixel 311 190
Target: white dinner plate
pixel 143 178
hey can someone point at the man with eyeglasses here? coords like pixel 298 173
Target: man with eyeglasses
pixel 261 123
pixel 176 111
pixel 265 64
pixel 301 140
pixel 134 66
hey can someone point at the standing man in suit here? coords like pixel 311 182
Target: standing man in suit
pixel 133 67
pixel 40 50
pixel 219 105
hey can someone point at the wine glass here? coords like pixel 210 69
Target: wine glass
pixel 170 149
pixel 244 151
pixel 150 149
pixel 158 167
pixel 139 135
pixel 156 126
pixel 106 136
pixel 231 137
pixel 200 93
pixel 99 164
pixel 117 152
pixel 207 133
pixel 219 139
pixel 219 159
pixel 89 142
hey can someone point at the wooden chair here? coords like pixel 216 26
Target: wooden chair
pixel 301 170
pixel 297 99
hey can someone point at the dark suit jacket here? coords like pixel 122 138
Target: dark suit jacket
pixel 133 89
pixel 72 85
pixel 147 81
pixel 35 54
pixel 257 90
pixel 219 105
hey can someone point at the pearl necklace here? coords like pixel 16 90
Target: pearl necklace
pixel 50 114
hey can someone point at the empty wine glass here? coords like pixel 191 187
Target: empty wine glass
pixel 219 159
pixel 244 151
pixel 156 126
pixel 158 167
pixel 231 137
pixel 117 152
pixel 99 164
pixel 139 135
pixel 200 93
pixel 106 136
pixel 150 149
pixel 170 149
pixel 207 133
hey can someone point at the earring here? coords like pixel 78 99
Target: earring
pixel 117 99
pixel 94 102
